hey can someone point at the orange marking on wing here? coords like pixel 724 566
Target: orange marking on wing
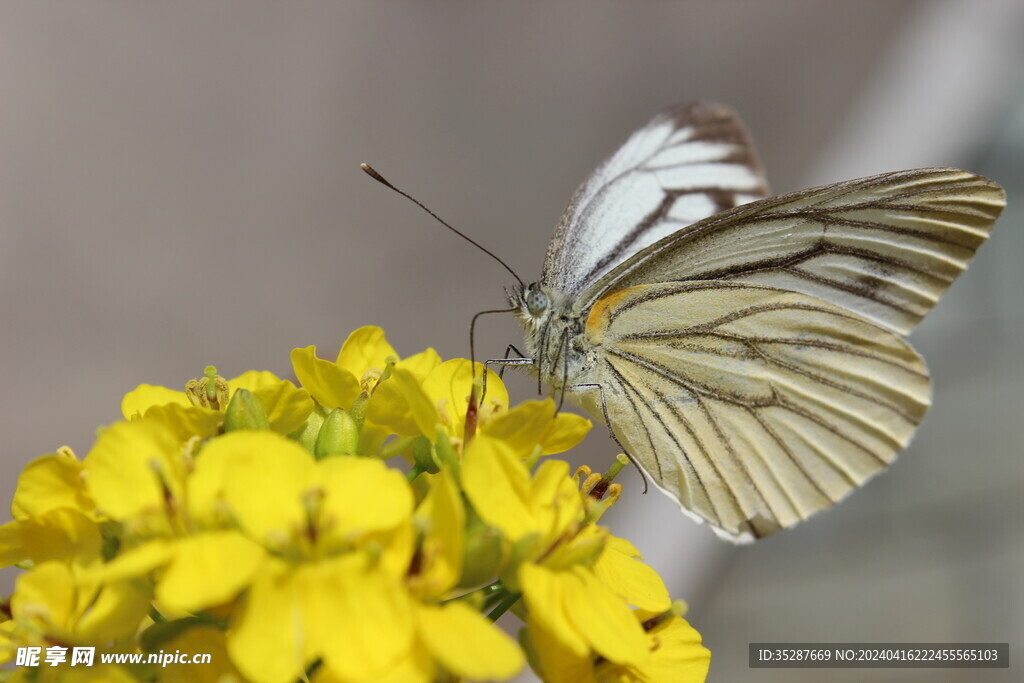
pixel 600 314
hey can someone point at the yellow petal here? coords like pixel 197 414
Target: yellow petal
pixel 399 546
pixel 50 482
pixel 420 364
pixel 129 466
pixel 331 385
pixel 522 427
pixel 545 593
pixel 143 397
pixel 187 421
pixel 620 568
pixel 467 644
pixel 62 534
pixel 207 640
pixel 566 431
pixel 261 476
pixel 268 640
pixel 116 612
pixel 679 655
pixel 416 667
pixel 133 563
pixel 555 663
pixel 603 618
pixel 365 348
pixel 362 495
pixel 420 407
pixel 555 498
pixel 582 549
pixel 253 380
pixel 390 408
pixel 498 485
pixel 448 387
pixel 12 547
pixel 287 406
pixel 361 620
pixel 443 518
pixel 47 592
pixel 208 570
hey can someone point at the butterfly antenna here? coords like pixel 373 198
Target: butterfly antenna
pixel 370 171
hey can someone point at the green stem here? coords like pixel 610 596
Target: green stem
pixel 489 592
pixel 503 606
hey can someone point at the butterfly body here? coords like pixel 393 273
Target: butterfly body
pixel 748 352
pixel 554 335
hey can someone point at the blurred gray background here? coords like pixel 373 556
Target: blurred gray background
pixel 179 186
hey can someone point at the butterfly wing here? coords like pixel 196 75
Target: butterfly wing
pixel 753 407
pixel 689 162
pixel 884 247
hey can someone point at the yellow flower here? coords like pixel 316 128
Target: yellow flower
pixel 441 517
pixel 208 640
pixel 466 643
pixel 287 501
pixel 452 638
pixel 136 474
pixel 286 405
pixel 620 568
pixel 343 610
pixel 577 580
pixel 53 515
pixel 534 423
pixel 441 399
pixel 51 605
pixel 582 614
pixel 364 359
pixel 62 534
pixel 675 655
pixel 538 509
pixel 337 541
pixel 242 524
pixel 50 482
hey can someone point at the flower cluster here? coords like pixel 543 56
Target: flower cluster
pixel 258 522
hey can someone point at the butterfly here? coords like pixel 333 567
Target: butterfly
pixel 748 352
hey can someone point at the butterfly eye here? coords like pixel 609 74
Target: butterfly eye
pixel 536 302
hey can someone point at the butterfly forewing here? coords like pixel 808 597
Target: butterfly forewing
pixel 753 407
pixel 884 247
pixel 690 162
pixel 749 353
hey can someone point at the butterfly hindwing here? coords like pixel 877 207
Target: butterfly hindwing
pixel 749 352
pixel 690 162
pixel 884 247
pixel 753 407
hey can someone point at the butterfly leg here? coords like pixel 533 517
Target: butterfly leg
pixel 504 363
pixel 608 423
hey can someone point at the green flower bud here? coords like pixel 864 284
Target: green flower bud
pixel 358 409
pixel 245 411
pixel 308 432
pixel 339 435
pixel 483 556
pixel 423 457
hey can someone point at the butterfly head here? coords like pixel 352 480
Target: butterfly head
pixel 532 303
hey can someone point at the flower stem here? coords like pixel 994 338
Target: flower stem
pixel 503 606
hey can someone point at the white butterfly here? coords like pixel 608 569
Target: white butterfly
pixel 750 357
